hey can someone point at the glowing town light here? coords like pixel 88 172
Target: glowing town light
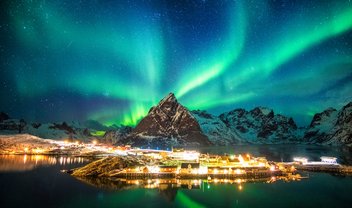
pixel 24 159
pixel 194 171
pixel 238 171
pixel 240 187
pixel 302 160
pixel 216 171
pixel 232 157
pixel 38 151
pixel 26 149
pixel 240 158
pixel 203 170
pixel 261 164
pixel 272 168
pixel 154 169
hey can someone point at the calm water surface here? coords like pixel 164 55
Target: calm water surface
pixel 37 182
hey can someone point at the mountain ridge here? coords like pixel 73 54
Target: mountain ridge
pixel 171 124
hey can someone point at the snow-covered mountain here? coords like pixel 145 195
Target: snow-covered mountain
pixel 216 130
pixel 114 136
pixel 259 126
pixel 73 130
pixel 171 124
pixel 167 124
pixel 331 127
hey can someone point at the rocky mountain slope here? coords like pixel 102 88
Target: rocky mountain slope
pixel 114 136
pixel 261 125
pixel 167 124
pixel 331 127
pixel 258 126
pixel 215 129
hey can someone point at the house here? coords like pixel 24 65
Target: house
pixel 189 168
pixel 213 159
pixel 145 170
pixel 133 169
pixel 330 160
pixel 234 161
pixel 168 169
pixel 224 160
pixel 220 170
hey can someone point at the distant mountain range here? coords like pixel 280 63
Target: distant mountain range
pixel 74 130
pixel 331 127
pixel 171 124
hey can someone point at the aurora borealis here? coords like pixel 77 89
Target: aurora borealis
pixel 111 61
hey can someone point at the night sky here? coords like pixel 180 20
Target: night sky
pixel 112 60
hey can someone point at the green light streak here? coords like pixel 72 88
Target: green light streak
pixel 112 86
pixel 143 51
pixel 289 49
pixel 300 83
pixel 200 75
pixel 98 133
pixel 292 46
pixel 128 116
pixel 136 113
pixel 186 201
pixel 214 100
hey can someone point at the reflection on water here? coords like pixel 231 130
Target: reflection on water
pixel 46 186
pixel 29 162
pixel 174 183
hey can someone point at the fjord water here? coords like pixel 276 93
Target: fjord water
pixel 36 181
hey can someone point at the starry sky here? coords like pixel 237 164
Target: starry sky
pixel 111 61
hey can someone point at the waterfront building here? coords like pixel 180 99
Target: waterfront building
pixel 330 160
pixel 168 169
pixel 190 168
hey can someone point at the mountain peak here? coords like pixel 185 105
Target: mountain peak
pixel 168 122
pixel 169 98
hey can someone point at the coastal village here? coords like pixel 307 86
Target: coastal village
pixel 149 167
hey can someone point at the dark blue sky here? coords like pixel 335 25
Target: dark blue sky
pixel 112 60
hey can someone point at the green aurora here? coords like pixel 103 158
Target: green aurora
pixel 118 59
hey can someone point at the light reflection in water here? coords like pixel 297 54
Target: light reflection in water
pixel 29 162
